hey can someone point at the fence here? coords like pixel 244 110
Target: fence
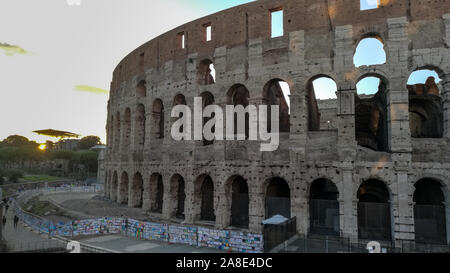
pixel 196 236
pixel 274 235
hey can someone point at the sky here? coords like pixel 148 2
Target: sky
pixel 57 57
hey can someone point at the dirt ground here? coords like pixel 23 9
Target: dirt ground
pixel 90 205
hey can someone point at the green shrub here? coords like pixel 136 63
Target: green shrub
pixel 14 175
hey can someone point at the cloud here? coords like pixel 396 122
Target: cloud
pixel 10 50
pixel 91 89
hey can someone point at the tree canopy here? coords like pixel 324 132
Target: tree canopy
pixel 88 142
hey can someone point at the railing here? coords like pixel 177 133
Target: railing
pixel 190 235
pixel 336 244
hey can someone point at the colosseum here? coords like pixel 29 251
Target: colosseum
pixel 364 167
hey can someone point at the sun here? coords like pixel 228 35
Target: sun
pixel 42 147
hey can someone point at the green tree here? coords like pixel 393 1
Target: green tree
pixel 16 140
pixel 88 142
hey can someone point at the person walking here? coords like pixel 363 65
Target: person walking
pixel 16 221
pixel 4 220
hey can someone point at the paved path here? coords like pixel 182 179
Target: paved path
pixel 131 245
pixel 24 238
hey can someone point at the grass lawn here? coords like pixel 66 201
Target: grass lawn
pixel 39 178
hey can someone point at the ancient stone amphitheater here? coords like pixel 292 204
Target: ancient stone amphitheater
pixel 366 167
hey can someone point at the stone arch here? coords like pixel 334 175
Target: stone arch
pixel 141 89
pixel 278 198
pixel 158 119
pixel 137 191
pixel 273 94
pixel 177 197
pixel 114 187
pixel 314 113
pixel 123 189
pixel 374 211
pixel 430 212
pixel 126 124
pixel 156 191
pixel 426 113
pixel 324 207
pixel 207 99
pixel 371 114
pixel 238 94
pixel 369 50
pixel 139 129
pixel 204 198
pixel 237 191
pixel 206 72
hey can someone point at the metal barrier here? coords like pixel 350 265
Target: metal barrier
pixel 274 235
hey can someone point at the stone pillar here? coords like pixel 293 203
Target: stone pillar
pixel 403 208
pixel 300 201
pixel 221 208
pixel 167 202
pixel 189 203
pixel 146 201
pixel 148 132
pixel 299 125
pixel 445 94
pixel 346 121
pixel 343 40
pixel 348 204
pixel 256 210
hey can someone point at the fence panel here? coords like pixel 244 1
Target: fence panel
pixel 374 221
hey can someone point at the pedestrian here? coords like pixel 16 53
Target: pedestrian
pixel 6 208
pixel 16 221
pixel 4 220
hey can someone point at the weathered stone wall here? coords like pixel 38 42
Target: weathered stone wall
pixel 320 38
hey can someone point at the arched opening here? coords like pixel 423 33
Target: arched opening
pixel 137 190
pixel 429 212
pixel 204 198
pixel 158 119
pixel 374 211
pixel 117 133
pixel 371 122
pixel 207 99
pixel 141 89
pixel 123 189
pixel 321 92
pixel 206 73
pixel 278 198
pixel 239 202
pixel 239 95
pixel 156 193
pixel 370 51
pixel 126 130
pixel 179 100
pixel 140 127
pixel 324 208
pixel 114 187
pixel 277 92
pixel 177 196
pixel 426 117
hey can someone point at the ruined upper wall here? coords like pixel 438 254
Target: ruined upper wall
pixel 318 18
